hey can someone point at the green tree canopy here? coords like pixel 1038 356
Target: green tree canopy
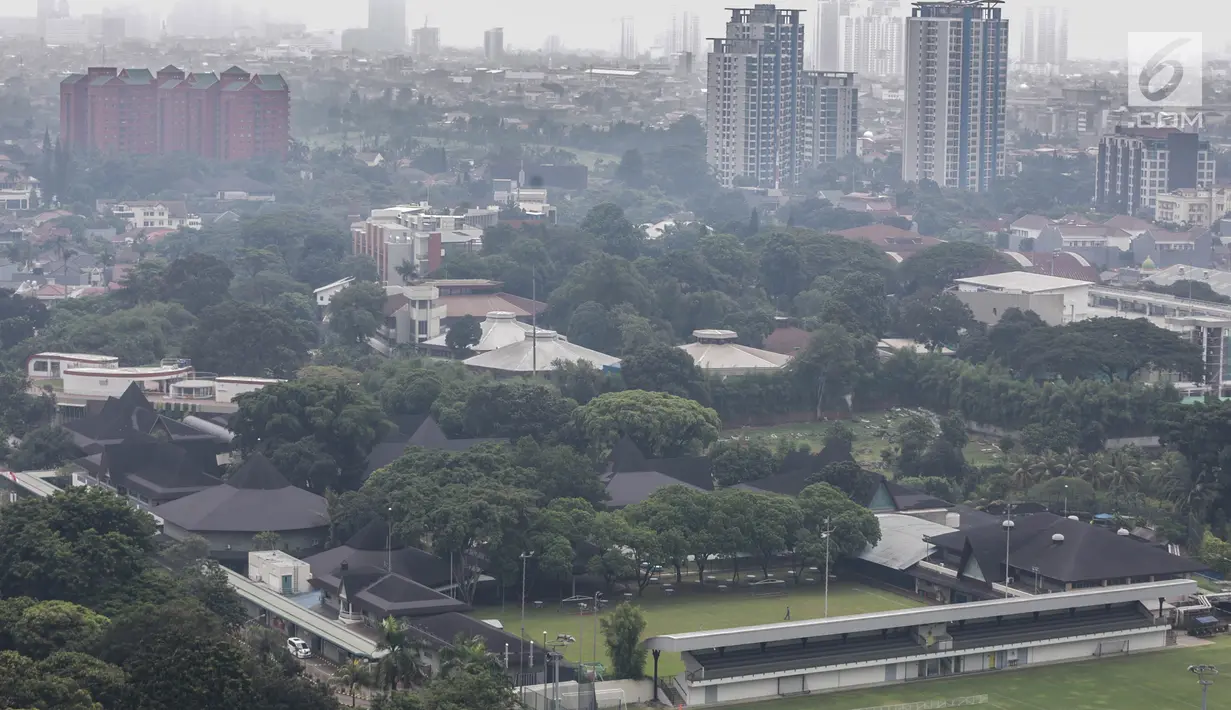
pixel 662 425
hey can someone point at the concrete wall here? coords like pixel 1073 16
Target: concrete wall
pixel 293 542
pixel 988 306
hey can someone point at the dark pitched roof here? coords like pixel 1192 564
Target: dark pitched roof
pixel 890 495
pixel 367 548
pixel 632 487
pixel 249 501
pixel 119 418
pixel 796 469
pixel 258 473
pixel 155 468
pixel 416 430
pixel 442 629
pixel 1087 552
pixel 631 477
pixel 396 595
pixel 626 456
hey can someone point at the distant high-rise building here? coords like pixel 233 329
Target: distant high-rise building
pixel 1047 44
pixel 493 44
pixel 628 39
pixel 386 25
pixel 872 42
pixel 553 44
pixel 827 34
pixel 1027 47
pixel 684 35
pixel 754 130
pixel 1135 165
pixel 830 115
pixel 425 41
pixel 230 116
pixel 957 55
pixel 1062 38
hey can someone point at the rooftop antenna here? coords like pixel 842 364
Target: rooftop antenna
pixel 389 542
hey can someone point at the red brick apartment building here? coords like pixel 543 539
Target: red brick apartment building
pixel 232 116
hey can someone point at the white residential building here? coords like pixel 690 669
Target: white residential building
pixel 1194 207
pixel 755 77
pixel 872 42
pixel 957 56
pixel 412 315
pixel 154 214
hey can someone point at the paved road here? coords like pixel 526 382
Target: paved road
pixel 320 669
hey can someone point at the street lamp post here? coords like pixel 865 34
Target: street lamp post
pixel 826 533
pixel 1205 676
pixel 524 557
pixel 1008 525
pixel 597 596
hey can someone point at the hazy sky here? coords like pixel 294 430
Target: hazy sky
pixel 1097 28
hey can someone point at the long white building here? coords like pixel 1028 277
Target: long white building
pixel 819 655
pixel 754 80
pixel 957 56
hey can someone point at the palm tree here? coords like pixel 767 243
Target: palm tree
pixel 402 663
pixel 408 271
pixel 351 676
pixel 464 653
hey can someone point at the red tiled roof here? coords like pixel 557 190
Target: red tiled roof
pixel 890 238
pixel 480 304
pixel 787 340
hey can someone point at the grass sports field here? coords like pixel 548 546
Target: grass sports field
pixel 693 610
pixel 1151 681
pixel 872 433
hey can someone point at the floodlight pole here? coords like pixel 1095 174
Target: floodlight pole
pixel 524 557
pixel 1008 525
pixel 826 533
pixel 1205 676
pixel 597 596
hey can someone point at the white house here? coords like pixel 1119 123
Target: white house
pixel 155 214
pixel 325 293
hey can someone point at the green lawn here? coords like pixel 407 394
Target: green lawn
pixel 1151 681
pixel 872 433
pixel 697 609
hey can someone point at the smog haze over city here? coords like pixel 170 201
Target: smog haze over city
pixel 1097 29
pixel 567 355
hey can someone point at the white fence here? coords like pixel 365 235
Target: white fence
pixel 935 704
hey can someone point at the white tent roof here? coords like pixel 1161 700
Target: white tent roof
pixel 716 351
pixel 536 353
pixel 500 328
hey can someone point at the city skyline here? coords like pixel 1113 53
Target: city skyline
pixel 1097 29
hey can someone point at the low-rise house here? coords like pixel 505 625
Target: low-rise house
pixel 147 214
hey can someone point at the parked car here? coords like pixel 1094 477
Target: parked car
pixel 298 647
